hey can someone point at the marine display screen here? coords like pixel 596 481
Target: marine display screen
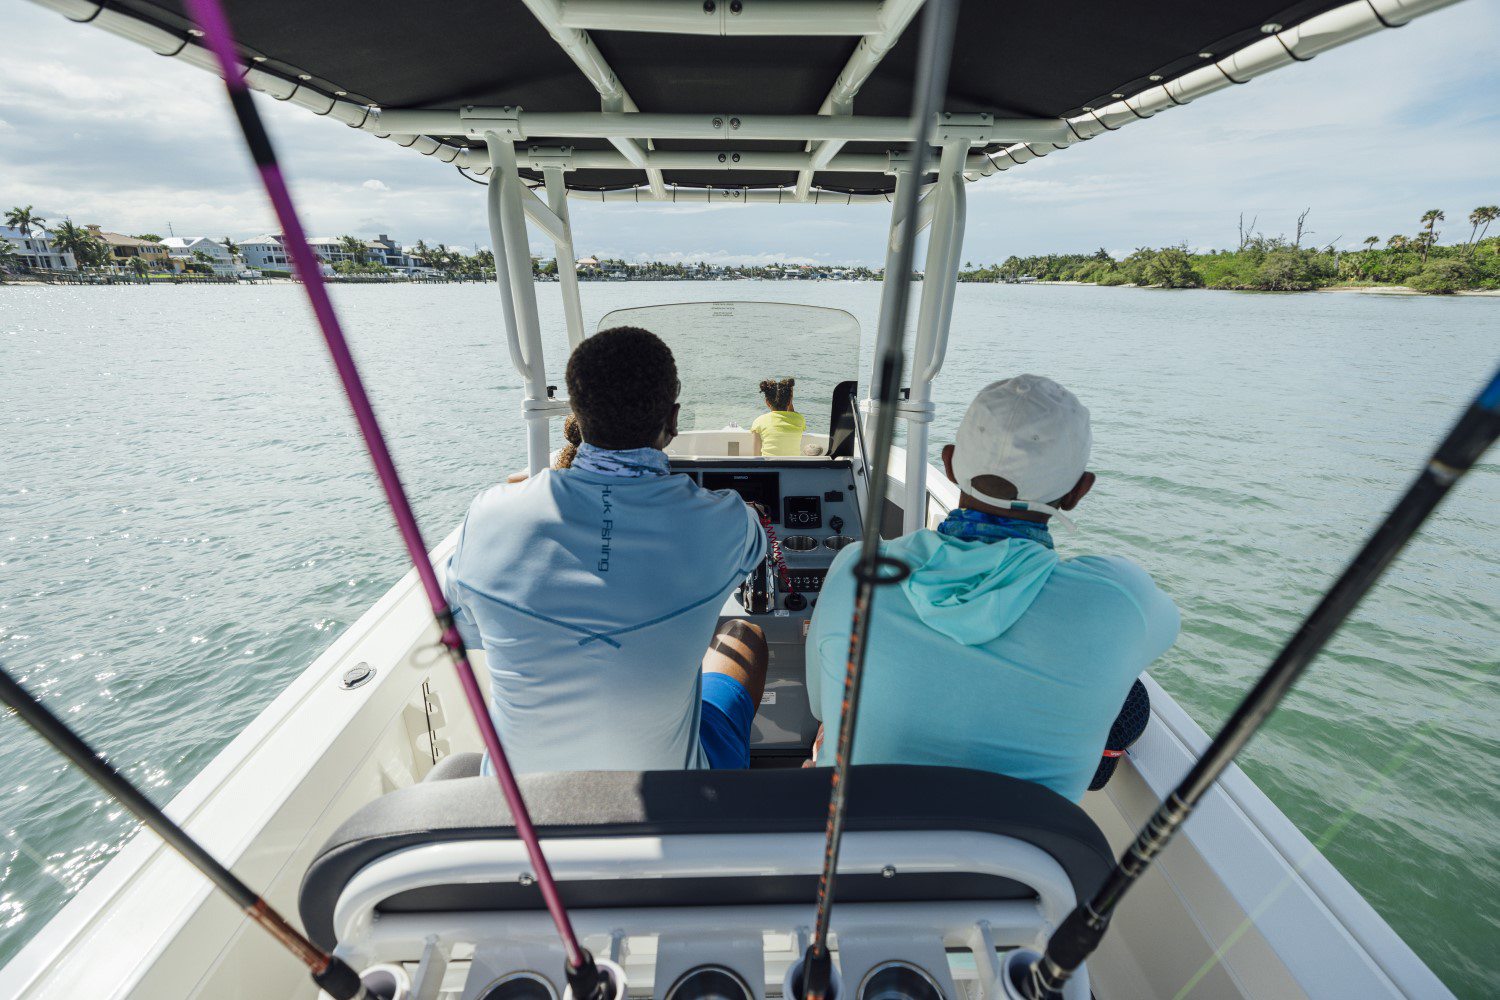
pixel 763 488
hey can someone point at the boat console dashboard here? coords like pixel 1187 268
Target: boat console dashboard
pixel 814 509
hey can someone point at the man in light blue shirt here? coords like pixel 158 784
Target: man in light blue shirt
pixel 995 653
pixel 594 590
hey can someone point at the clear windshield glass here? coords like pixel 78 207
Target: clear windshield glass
pixel 725 349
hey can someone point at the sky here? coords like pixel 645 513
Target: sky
pixel 1368 136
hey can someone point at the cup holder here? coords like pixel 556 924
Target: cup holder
pixel 837 542
pixel 799 543
pixel 519 986
pixel 898 981
pixel 710 982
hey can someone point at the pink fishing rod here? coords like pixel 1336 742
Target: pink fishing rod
pixel 583 975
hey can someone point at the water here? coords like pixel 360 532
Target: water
pixel 187 519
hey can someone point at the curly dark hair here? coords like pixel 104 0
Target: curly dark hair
pixel 778 393
pixel 572 438
pixel 622 384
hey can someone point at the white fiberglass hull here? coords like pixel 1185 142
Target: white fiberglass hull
pixel 1241 905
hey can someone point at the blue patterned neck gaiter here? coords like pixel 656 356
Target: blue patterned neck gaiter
pixel 633 463
pixel 977 525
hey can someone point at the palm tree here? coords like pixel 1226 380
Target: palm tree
pixel 232 248
pixel 1370 242
pixel 139 266
pixel 1480 219
pixel 1397 242
pixel 79 242
pixel 1431 218
pixel 10 258
pixel 354 247
pixel 24 219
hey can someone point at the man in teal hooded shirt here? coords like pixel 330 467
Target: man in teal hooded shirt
pixel 995 653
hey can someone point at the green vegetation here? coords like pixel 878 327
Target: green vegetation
pixel 25 220
pixel 1281 264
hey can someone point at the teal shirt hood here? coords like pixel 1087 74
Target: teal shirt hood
pixel 972 591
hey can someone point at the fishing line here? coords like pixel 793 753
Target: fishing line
pixel 935 47
pixel 583 974
pixel 1082 930
pixel 330 974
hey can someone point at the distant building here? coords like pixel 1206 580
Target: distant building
pixel 265 253
pixel 186 248
pixel 37 251
pixel 123 248
pixel 269 253
pixel 387 252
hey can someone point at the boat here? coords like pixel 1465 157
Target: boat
pixel 352 801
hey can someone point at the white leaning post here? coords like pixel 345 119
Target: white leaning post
pixel 518 294
pixel 939 286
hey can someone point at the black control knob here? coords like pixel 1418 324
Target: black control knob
pixel 837 524
pixel 795 602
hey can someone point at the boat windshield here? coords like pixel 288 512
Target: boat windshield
pixel 725 349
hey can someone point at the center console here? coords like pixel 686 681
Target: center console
pixel 814 510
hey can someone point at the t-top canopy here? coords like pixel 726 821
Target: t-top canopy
pixel 1050 73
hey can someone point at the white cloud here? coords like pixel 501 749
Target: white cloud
pixel 1369 136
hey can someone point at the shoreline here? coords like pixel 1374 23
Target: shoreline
pixel 1367 289
pixel 1399 290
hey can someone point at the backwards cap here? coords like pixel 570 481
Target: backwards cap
pixel 1029 431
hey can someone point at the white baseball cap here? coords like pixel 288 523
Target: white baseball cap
pixel 1030 431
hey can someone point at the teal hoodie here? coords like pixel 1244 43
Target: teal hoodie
pixel 995 655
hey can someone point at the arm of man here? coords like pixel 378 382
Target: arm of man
pixel 453 593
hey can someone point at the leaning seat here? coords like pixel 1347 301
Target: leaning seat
pixel 686 804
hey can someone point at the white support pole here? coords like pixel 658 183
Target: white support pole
pixel 939 285
pixel 895 16
pixel 567 259
pixel 887 289
pixel 524 329
pixel 758 17
pixel 586 56
pixel 725 127
pixel 541 215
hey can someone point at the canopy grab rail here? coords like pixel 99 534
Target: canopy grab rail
pixel 583 975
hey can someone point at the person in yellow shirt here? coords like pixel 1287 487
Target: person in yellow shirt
pixel 779 432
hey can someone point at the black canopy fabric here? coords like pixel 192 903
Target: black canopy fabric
pixel 1046 60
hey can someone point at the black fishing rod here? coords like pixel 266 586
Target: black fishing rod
pixel 935 47
pixel 332 975
pixel 1082 930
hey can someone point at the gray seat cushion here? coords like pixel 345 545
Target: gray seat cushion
pixel 663 803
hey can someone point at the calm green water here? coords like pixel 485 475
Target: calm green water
pixel 186 519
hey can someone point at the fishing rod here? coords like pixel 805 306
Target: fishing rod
pixel 1042 978
pixel 583 974
pixel 874 569
pixel 331 974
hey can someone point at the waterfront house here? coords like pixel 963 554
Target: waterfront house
pixel 36 250
pixel 186 248
pixel 123 248
pixel 387 252
pixel 268 253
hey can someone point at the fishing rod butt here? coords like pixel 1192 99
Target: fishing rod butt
pixel 812 977
pixel 595 979
pixel 339 981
